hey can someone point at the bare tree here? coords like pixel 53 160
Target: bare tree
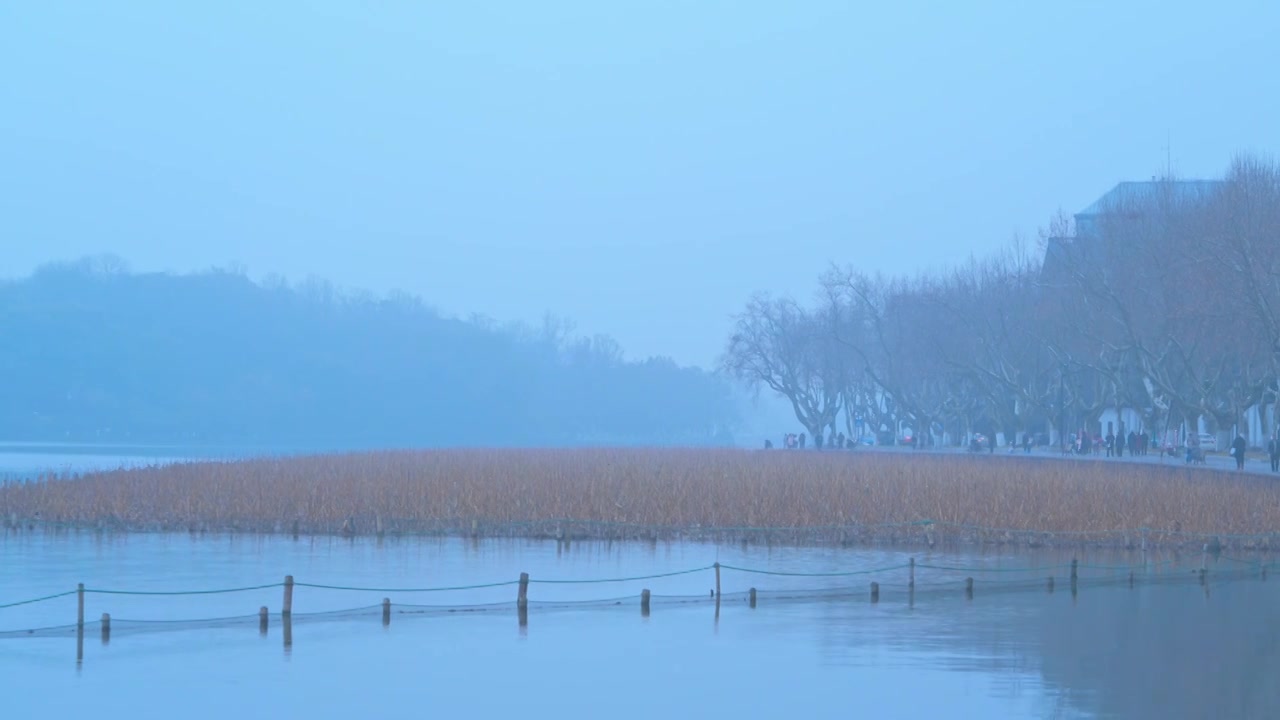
pixel 1164 299
pixel 779 345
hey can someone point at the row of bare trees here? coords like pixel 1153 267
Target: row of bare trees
pixel 1163 301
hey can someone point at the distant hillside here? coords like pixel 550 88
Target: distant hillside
pixel 90 353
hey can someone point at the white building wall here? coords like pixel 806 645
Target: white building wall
pixel 1253 417
pixel 1132 421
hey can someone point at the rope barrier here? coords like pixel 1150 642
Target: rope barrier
pixel 182 592
pixel 480 586
pixel 1148 573
pixel 37 600
pixel 920 590
pixel 632 578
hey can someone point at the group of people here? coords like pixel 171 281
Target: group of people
pixel 1083 443
pixel 790 441
pixel 1135 443
pixel 796 441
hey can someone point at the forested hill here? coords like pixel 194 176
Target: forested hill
pixel 102 355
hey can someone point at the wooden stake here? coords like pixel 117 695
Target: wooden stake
pixel 522 595
pixel 717 591
pixel 875 592
pixel 1050 584
pixel 968 588
pixel 386 612
pixel 911 580
pixel 644 603
pixel 106 628
pixel 262 620
pixel 751 598
pixel 286 610
pixel 80 605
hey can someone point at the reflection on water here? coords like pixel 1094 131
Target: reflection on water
pixel 1154 651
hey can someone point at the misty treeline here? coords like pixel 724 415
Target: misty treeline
pixel 94 352
pixel 1165 301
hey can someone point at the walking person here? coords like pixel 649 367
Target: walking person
pixel 1111 443
pixel 1237 451
pixel 1273 449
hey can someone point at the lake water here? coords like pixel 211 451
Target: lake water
pixel 1167 648
pixel 26 460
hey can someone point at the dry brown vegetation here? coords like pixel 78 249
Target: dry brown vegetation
pixel 798 496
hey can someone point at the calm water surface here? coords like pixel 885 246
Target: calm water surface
pixel 1155 651
pixel 27 460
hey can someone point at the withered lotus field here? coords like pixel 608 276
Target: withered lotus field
pixel 785 496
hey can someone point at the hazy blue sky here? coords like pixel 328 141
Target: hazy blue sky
pixel 641 167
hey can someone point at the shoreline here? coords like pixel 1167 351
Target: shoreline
pixel 920 535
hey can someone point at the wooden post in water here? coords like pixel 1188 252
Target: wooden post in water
pixel 386 612
pixel 286 621
pixel 1131 578
pixel 106 628
pixel 751 598
pixel 522 600
pixel 717 591
pixel 1074 577
pixel 1203 573
pixel 1049 585
pixel 262 620
pixel 875 592
pixel 79 623
pixel 911 579
pixel 968 588
pixel 286 610
pixel 644 603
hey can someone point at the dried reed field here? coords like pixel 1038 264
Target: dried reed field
pixel 670 494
